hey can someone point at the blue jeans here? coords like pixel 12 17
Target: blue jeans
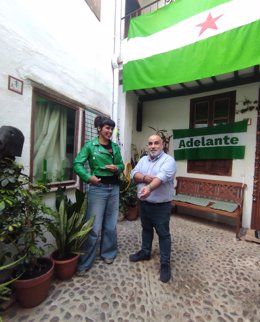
pixel 156 216
pixel 103 202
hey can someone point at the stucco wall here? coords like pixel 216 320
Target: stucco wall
pixel 174 113
pixel 61 45
pixel 127 124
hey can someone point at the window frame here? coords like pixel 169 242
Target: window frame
pixel 59 99
pixel 212 167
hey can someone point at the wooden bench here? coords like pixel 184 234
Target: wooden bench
pixel 212 196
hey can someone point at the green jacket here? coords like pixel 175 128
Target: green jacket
pixel 98 157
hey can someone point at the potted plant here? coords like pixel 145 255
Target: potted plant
pixel 135 155
pixel 166 138
pixel 6 280
pixel 22 233
pixel 128 205
pixel 70 230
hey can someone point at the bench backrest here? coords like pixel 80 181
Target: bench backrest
pixel 206 188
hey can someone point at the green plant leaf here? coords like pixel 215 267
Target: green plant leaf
pixel 4 182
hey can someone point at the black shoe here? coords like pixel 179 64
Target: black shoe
pixel 165 273
pixel 139 256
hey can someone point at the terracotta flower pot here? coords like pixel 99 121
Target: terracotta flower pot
pixel 65 268
pixel 31 292
pixel 132 213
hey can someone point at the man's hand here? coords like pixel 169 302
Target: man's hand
pixel 145 192
pixel 140 177
pixel 148 179
pixel 147 189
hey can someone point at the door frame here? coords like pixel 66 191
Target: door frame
pixel 255 216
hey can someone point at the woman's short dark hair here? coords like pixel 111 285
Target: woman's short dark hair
pixel 101 121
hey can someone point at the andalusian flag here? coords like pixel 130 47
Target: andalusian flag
pixel 191 39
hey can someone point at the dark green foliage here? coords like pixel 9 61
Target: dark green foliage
pixel 22 221
pixel 128 192
pixel 248 106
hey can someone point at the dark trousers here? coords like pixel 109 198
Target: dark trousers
pixel 156 216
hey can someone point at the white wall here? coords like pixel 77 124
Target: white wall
pixel 127 122
pixel 61 45
pixel 174 113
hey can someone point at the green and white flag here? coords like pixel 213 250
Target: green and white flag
pixel 188 40
pixel 216 142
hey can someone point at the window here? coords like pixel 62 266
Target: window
pixel 90 130
pixel 131 11
pixel 54 138
pixel 89 133
pixel 210 111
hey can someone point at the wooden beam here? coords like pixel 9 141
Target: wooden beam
pixel 199 82
pixel 201 89
pixel 167 88
pixel 256 70
pixel 214 79
pixel 139 116
pixel 183 86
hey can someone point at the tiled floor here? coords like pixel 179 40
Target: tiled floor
pixel 215 278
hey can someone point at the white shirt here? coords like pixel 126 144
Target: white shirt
pixel 162 167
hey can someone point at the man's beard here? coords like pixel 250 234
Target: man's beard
pixel 154 154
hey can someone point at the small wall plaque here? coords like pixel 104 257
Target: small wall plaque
pixel 15 85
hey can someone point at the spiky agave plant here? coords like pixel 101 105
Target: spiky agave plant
pixel 68 225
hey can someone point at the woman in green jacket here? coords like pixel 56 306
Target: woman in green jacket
pixel 105 163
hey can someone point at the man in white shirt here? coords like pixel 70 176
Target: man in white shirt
pixel 154 175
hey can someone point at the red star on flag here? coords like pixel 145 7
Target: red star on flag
pixel 210 22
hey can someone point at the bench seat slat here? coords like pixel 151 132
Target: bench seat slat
pixel 224 205
pixel 191 199
pixel 233 214
pixel 212 203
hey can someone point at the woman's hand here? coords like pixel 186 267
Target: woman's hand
pixel 94 180
pixel 112 168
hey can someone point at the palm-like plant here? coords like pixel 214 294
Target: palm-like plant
pixel 128 191
pixel 68 225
